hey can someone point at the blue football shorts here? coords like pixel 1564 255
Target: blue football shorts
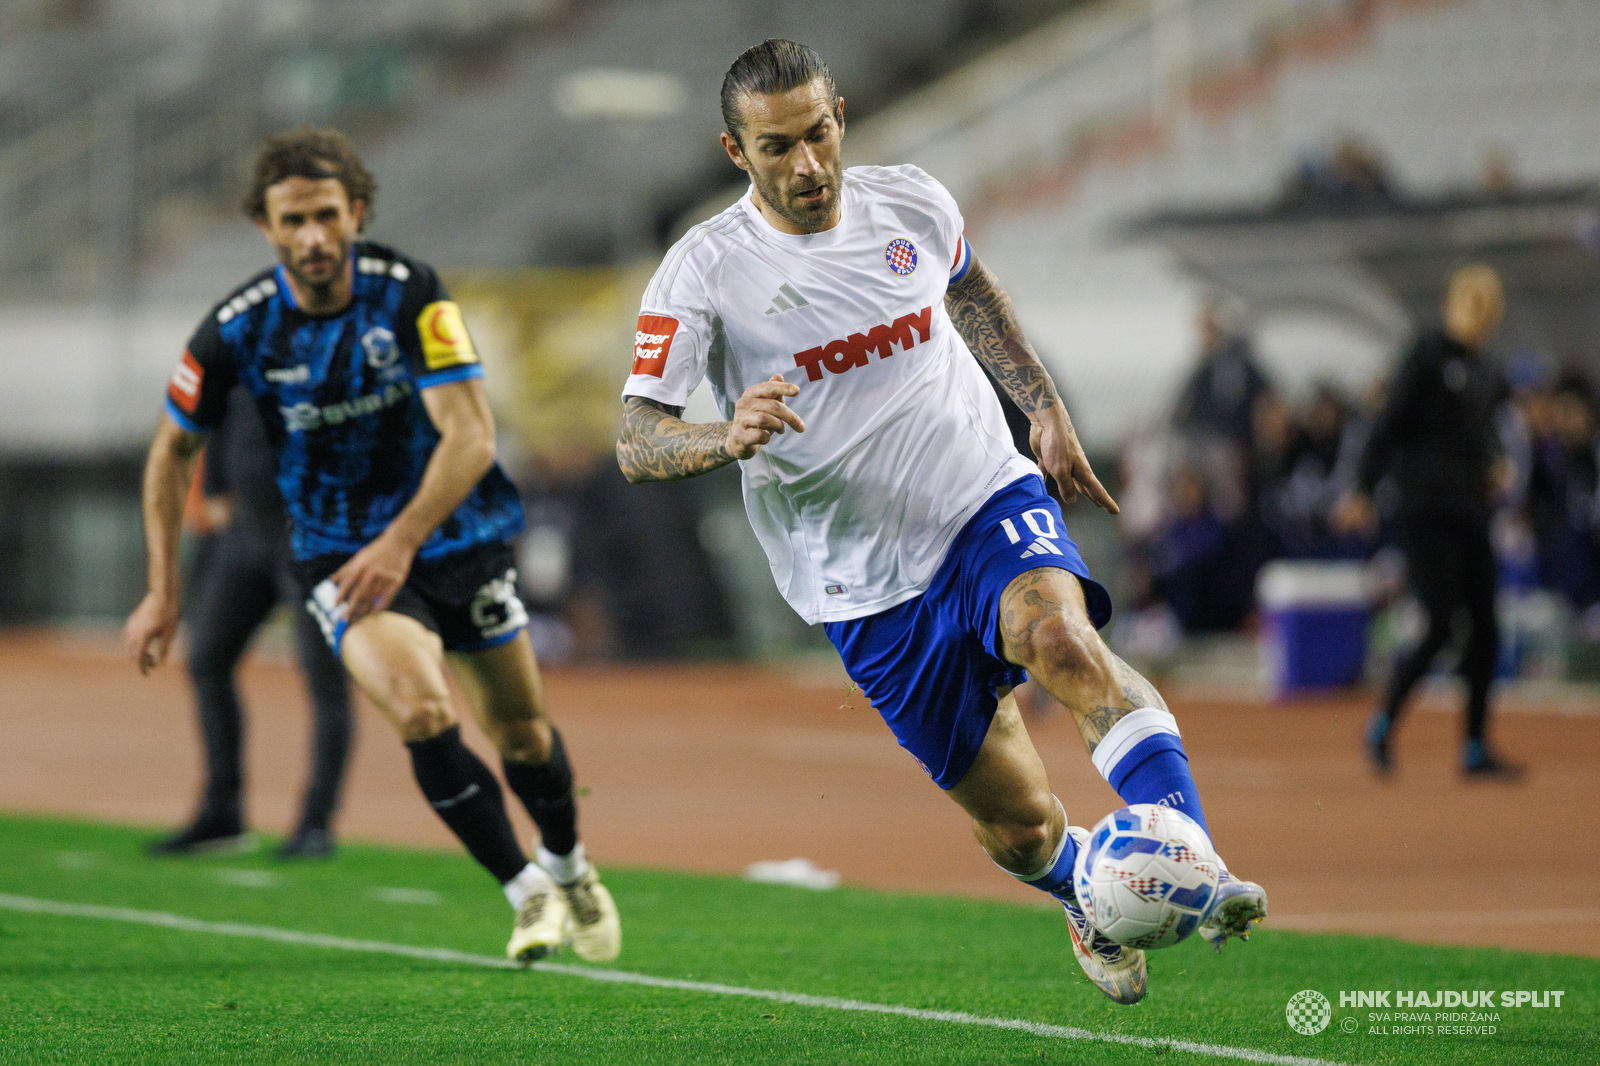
pixel 931 665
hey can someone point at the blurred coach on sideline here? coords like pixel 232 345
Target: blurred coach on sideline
pixel 1436 435
pixel 239 581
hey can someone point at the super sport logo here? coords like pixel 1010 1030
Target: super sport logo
pixel 186 380
pixel 652 342
pixel 842 355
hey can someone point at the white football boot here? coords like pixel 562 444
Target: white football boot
pixel 593 925
pixel 1236 909
pixel 541 923
pixel 1117 971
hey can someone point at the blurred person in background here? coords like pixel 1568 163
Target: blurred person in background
pixel 1219 397
pixel 1560 493
pixel 1233 424
pixel 372 398
pixel 1317 469
pixel 245 570
pixel 1437 434
pixel 1188 558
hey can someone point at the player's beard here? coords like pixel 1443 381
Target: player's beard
pixel 789 207
pixel 324 274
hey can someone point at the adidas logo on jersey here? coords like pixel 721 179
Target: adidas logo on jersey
pixel 788 299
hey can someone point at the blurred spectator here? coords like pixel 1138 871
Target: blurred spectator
pixel 1199 564
pixel 1275 438
pixel 1498 175
pixel 1319 466
pixel 1350 177
pixel 1193 495
pixel 1220 396
pixel 1561 484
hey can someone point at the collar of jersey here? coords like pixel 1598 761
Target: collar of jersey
pixel 826 238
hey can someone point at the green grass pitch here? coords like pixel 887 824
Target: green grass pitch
pixel 75 988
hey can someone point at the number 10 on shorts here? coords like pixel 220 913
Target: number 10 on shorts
pixel 1042 524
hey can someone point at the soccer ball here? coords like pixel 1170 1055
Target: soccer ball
pixel 1146 876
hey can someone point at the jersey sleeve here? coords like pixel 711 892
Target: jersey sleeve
pixel 673 336
pixel 949 226
pixel 197 392
pixel 431 333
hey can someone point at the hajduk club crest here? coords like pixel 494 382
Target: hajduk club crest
pixel 901 255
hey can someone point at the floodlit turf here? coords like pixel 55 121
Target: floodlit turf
pixel 78 989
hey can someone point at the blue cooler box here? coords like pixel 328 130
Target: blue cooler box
pixel 1316 616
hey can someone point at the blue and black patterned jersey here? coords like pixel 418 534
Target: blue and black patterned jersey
pixel 341 398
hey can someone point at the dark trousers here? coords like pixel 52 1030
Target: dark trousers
pixel 240 578
pixel 1452 569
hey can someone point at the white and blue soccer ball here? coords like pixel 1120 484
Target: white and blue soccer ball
pixel 1146 876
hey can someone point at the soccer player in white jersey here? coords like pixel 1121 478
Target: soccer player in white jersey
pixel 836 315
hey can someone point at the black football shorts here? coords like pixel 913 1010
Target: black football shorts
pixel 468 597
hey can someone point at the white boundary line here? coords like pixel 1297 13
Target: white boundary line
pixel 31 905
pixel 1349 920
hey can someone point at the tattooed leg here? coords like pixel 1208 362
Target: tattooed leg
pixel 1045 628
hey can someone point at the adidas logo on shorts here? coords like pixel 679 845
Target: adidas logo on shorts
pixel 1040 547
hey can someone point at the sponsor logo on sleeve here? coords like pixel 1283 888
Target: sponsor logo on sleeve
pixel 652 343
pixel 185 385
pixel 444 336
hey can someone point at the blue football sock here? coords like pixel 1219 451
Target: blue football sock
pixel 1055 877
pixel 1142 757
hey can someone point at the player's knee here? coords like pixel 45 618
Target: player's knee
pixel 424 719
pixel 419 711
pixel 1062 648
pixel 1024 829
pixel 527 739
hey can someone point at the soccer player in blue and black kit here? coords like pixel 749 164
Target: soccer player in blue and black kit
pixel 372 396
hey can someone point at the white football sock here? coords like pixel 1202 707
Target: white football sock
pixel 529 879
pixel 565 869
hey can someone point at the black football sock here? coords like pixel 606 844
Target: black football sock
pixel 466 795
pixel 546 790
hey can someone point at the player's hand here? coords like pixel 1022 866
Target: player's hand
pixel 1355 515
pixel 759 414
pixel 1055 444
pixel 149 631
pixel 369 579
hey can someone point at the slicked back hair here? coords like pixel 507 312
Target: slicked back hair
pixel 771 67
pixel 311 153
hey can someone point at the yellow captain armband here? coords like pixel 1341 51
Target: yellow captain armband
pixel 444 336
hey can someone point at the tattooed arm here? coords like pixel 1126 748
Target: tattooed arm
pixel 982 313
pixel 657 445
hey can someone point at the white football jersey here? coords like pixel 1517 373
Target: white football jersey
pixel 904 438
